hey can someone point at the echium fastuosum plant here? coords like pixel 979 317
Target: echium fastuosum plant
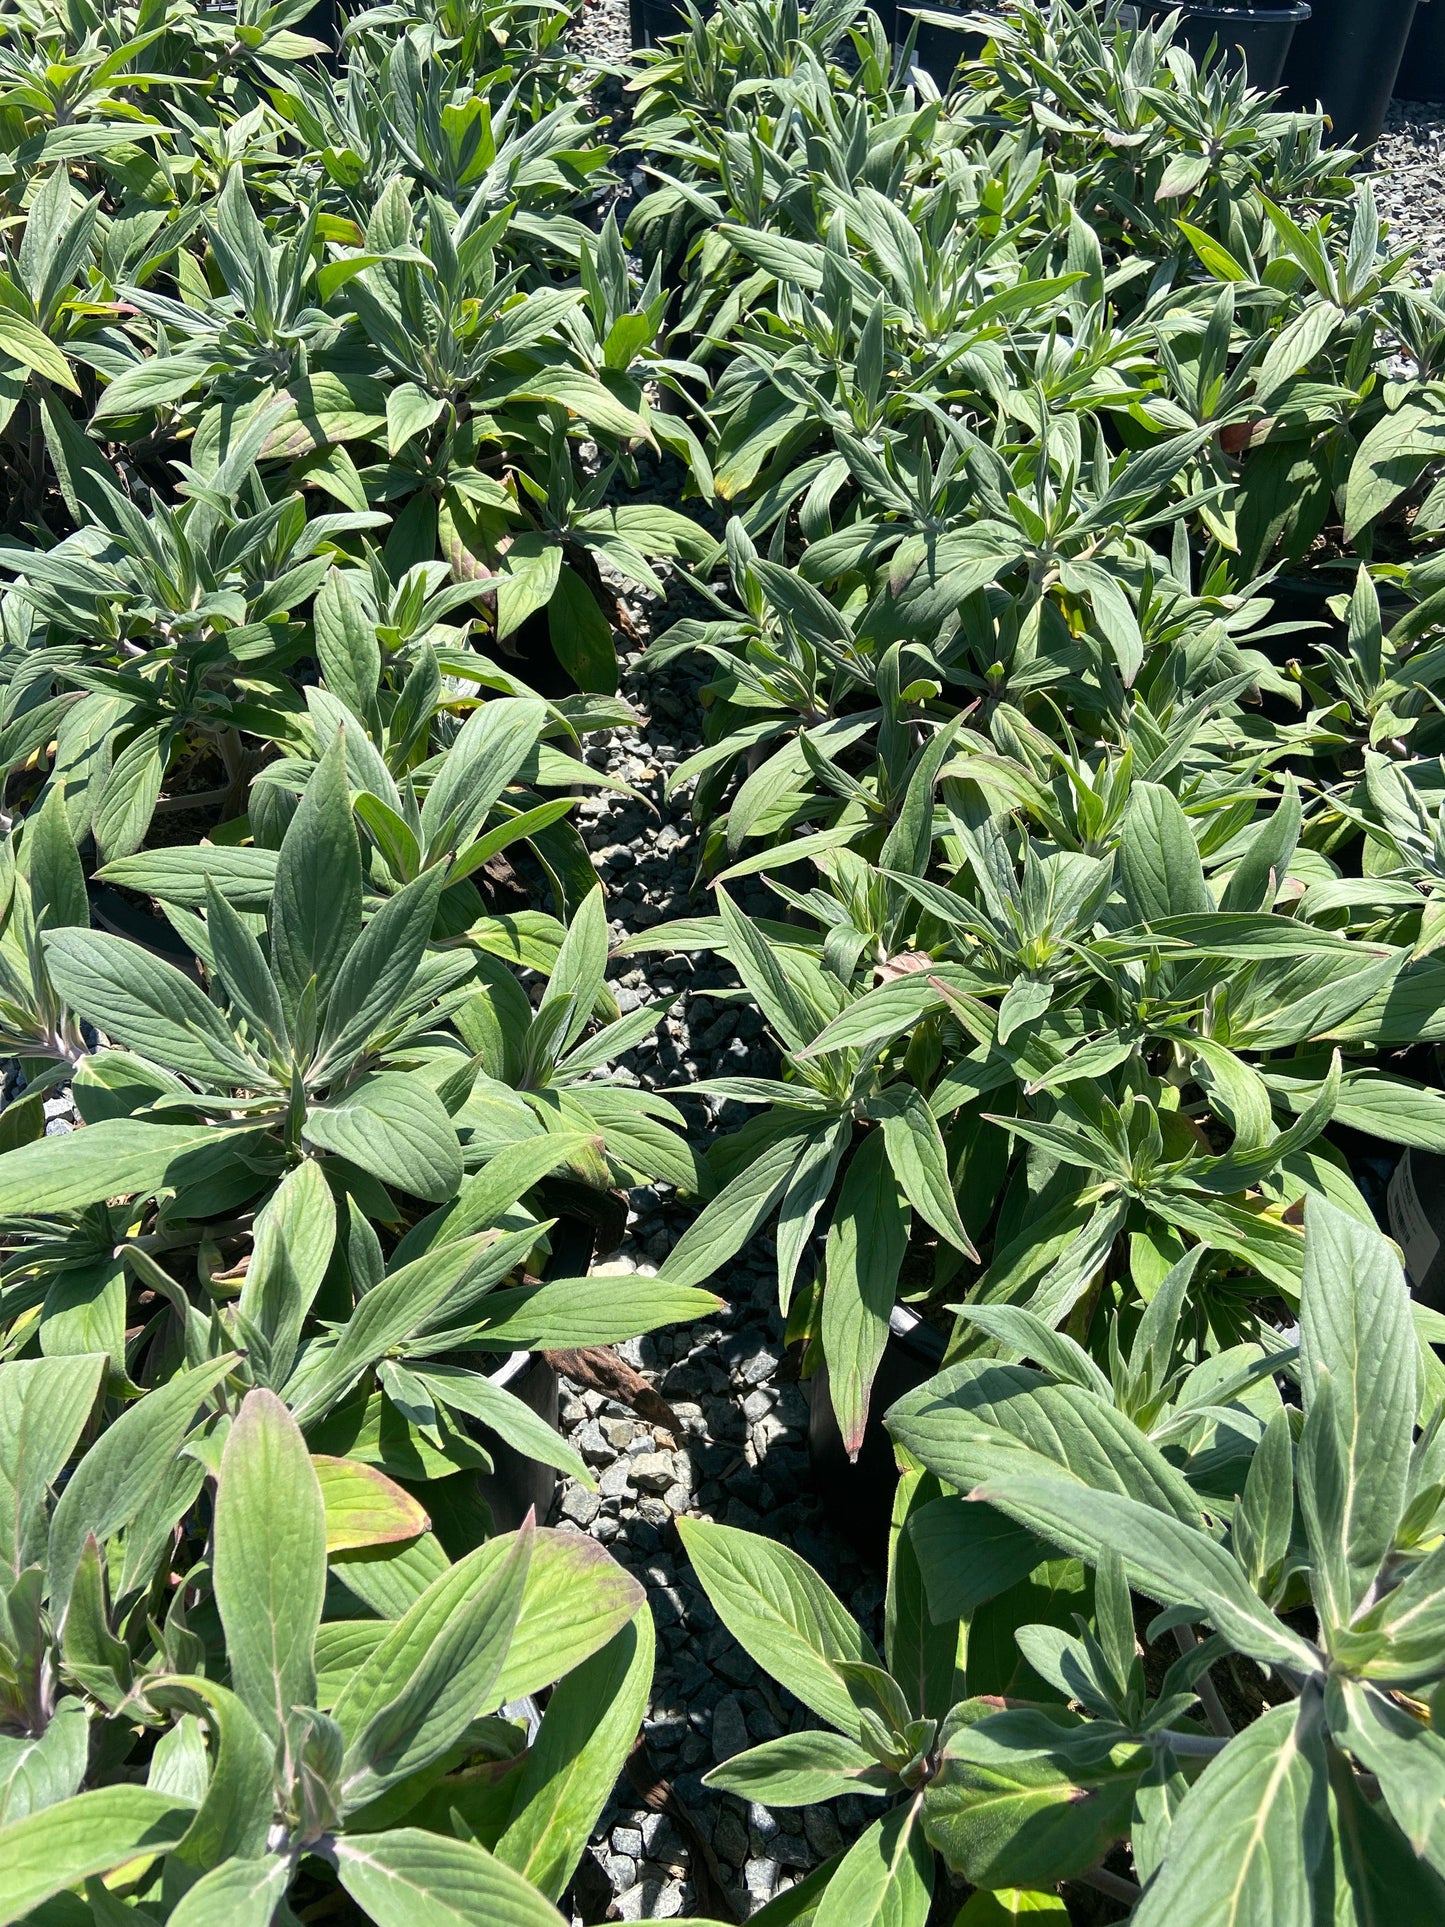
pixel 188 1732
pixel 1285 1762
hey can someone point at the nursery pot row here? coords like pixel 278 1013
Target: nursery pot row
pixel 1346 56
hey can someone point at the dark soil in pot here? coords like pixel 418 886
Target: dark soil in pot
pixel 1260 37
pixel 1346 59
pixel 858 1497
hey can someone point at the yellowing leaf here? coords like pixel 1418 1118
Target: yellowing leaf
pixel 363 1506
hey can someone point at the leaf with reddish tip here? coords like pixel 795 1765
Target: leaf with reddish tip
pixel 363 1506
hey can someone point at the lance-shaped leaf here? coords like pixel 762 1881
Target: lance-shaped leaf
pixel 44 1403
pixel 235 1814
pixel 396 1127
pixel 117 1157
pixel 1177 1564
pixel 41 1770
pixel 1358 1380
pixel 433 1672
pixel 316 904
pixel 866 1242
pixel 732 1217
pixel 1024 1798
pixel 270 1561
pixel 591 1722
pixel 783 1615
pixel 442 1282
pixel 800 1770
pixel 123 1468
pixel 147 1004
pixel 1250 1834
pixel 294 1235
pixel 886 1879
pixel 238 1893
pixel 62 1845
pixel 980 1418
pixel 407 1878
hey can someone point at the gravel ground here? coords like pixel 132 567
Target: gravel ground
pixel 1411 184
pixel 738 1453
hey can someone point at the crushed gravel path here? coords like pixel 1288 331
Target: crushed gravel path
pixel 1411 184
pixel 739 1452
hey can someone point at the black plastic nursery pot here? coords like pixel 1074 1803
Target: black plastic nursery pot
pixel 655 20
pixel 858 1495
pixel 517 1485
pixel 1422 71
pixel 1347 61
pixel 938 49
pixel 1258 37
pixel 1417 1223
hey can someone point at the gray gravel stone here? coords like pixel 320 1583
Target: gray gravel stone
pixel 580 1506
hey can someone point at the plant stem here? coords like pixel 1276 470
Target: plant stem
pixel 1187 1639
pixel 1194 1746
pixel 1112 1884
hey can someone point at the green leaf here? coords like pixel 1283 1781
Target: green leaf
pixel 294 1236
pixel 406 1878
pixel 1023 1797
pixel 1251 1832
pixel 44 1403
pixel 433 1672
pixel 62 1845
pixel 760 970
pixel 240 1893
pixel 41 1771
pixel 346 645
pixel 866 1242
pixel 800 1770
pixel 969 1553
pixel 122 1469
pixel 572 1312
pixel 377 970
pixel 980 1417
pixel 1405 1756
pixel 406 1300
pixel 1008 1905
pixel 886 1879
pixel 587 1731
pixel 577 1599
pixel 782 1615
pixel 50 859
pixel 237 1808
pixel 269 1561
pixel 126 805
pixel 581 634
pixel 244 877
pixel 1358 1379
pixel 510 1417
pixel 139 1000
pixel 22 341
pixel 1159 868
pixel 922 1649
pixel 505 1178
pixel 316 904
pixel 735 1214
pixel 1174 1563
pixel 363 1506
pixel 396 1127
pixel 920 1163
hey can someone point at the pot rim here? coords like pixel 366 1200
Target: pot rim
pixel 1295 11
